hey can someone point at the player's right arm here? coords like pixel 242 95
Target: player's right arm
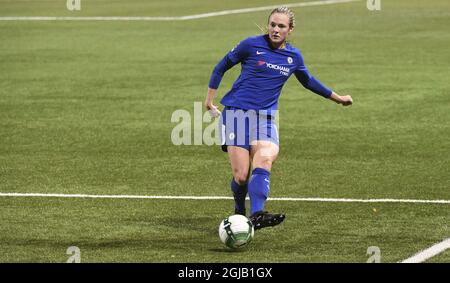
pixel 216 77
pixel 235 56
pixel 209 105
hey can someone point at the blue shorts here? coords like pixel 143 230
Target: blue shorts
pixel 241 127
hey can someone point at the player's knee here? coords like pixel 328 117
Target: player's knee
pixel 241 176
pixel 265 163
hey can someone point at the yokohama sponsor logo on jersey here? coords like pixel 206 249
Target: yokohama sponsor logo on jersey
pixel 276 67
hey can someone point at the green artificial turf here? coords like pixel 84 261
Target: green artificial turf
pixel 86 107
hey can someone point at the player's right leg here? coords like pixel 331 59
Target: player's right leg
pixel 240 165
pixel 235 141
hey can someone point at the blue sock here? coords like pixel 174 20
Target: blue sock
pixel 239 193
pixel 258 189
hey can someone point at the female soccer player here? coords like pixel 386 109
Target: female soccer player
pixel 249 133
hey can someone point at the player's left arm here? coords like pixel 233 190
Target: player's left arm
pixel 345 100
pixel 309 82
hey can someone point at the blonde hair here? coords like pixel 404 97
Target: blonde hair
pixel 284 10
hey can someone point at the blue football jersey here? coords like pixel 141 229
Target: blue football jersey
pixel 264 72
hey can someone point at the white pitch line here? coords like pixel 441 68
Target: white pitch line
pixel 363 200
pixel 429 253
pixel 180 18
pixel 222 197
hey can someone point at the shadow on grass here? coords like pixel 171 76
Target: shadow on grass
pixel 226 250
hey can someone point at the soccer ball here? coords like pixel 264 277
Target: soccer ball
pixel 236 231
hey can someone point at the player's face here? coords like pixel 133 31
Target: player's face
pixel 279 28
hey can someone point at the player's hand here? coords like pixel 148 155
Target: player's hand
pixel 346 100
pixel 213 110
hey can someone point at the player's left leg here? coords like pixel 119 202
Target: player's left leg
pixel 263 155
